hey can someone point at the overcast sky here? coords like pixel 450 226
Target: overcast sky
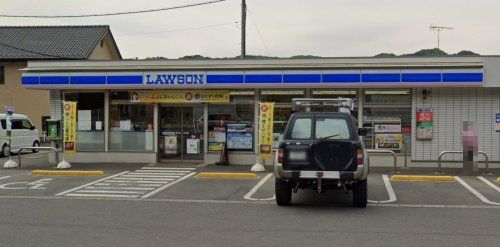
pixel 288 27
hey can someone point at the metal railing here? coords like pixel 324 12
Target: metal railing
pixel 487 160
pixel 380 151
pixel 36 148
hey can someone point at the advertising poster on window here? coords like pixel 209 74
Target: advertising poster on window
pixel 69 117
pixel 193 146
pixel 389 141
pixel 425 118
pixel 171 145
pixel 180 96
pixel 498 123
pixel 387 128
pixel 266 129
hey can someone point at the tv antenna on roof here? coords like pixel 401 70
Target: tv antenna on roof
pixel 439 29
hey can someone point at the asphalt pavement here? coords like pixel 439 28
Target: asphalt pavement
pixel 169 205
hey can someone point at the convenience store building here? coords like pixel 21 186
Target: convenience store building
pixel 183 111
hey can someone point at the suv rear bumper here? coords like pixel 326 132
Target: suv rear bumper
pixel 361 173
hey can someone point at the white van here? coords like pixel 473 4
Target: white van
pixel 24 134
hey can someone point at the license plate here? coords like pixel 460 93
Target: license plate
pixel 297 155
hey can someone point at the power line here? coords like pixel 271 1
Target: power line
pixel 112 14
pixel 180 29
pixel 258 31
pixel 33 52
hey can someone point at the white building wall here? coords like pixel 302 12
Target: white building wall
pixel 452 106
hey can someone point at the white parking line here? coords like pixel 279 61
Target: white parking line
pixel 159 173
pixel 250 193
pixel 165 168
pixel 134 182
pixel 149 176
pixel 110 191
pixel 143 179
pixel 91 183
pixel 167 185
pixel 101 195
pixel 475 192
pixel 118 188
pixel 390 191
pixel 5 177
pixel 489 183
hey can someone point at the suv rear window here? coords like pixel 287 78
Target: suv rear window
pixel 332 128
pixel 302 128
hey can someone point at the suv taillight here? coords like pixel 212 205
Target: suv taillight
pixel 360 156
pixel 280 155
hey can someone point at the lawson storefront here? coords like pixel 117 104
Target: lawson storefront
pixel 185 111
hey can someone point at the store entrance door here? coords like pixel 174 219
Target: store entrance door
pixel 181 133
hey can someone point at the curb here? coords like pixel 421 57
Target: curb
pixel 74 173
pixel 225 175
pixel 423 178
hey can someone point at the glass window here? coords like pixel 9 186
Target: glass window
pixel 332 94
pixel 332 128
pixel 90 120
pixel 25 124
pixel 282 109
pixel 232 122
pixel 302 128
pixel 400 97
pixel 16 124
pixel 2 75
pixel 131 127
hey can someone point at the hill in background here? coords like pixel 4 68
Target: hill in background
pixel 422 53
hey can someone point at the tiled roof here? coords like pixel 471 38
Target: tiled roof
pixel 49 42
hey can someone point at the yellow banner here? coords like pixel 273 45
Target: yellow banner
pixel 69 117
pixel 180 96
pixel 266 118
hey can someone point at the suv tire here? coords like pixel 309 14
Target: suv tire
pixel 283 191
pixel 360 194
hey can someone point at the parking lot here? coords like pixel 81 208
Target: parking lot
pixel 181 183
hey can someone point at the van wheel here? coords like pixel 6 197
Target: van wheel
pixel 36 144
pixel 360 194
pixel 5 150
pixel 283 191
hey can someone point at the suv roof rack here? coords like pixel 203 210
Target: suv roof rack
pixel 344 105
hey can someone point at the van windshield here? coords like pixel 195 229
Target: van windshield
pixel 332 128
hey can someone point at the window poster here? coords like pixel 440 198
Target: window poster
pixel 239 141
pixel 424 126
pixel 84 120
pixel 497 128
pixel 389 141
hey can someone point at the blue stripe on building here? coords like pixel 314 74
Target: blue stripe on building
pixel 462 77
pixel 125 79
pixel 225 79
pixel 263 78
pixel 341 78
pixel 30 80
pixel 55 80
pixel 87 80
pixel 421 77
pixel 381 77
pixel 302 78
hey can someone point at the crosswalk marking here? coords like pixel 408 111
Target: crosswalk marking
pixel 140 183
pixel 151 176
pixel 166 168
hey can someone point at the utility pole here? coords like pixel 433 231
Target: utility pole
pixel 243 27
pixel 439 29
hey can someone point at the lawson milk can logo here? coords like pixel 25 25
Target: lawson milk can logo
pixel 167 78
